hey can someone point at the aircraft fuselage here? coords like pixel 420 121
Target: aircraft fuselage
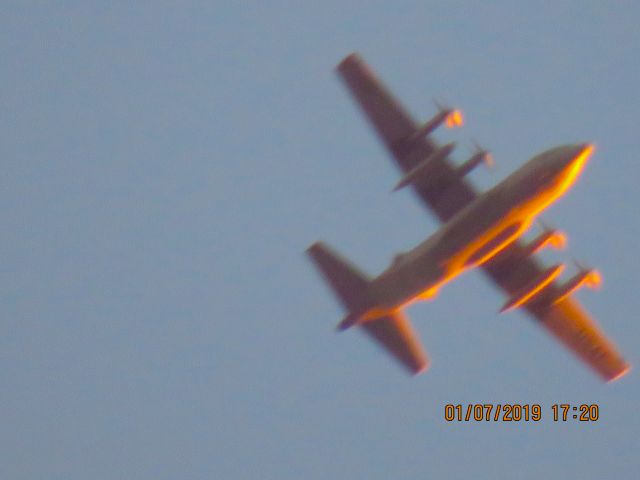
pixel 478 232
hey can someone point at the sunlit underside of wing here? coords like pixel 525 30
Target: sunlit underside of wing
pixel 566 320
pixel 449 193
pixel 396 335
pixel 573 326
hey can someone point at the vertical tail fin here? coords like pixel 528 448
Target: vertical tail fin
pixel 346 280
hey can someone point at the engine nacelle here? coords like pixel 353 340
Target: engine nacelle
pixel 586 277
pixel 529 291
pixel 425 166
pixel 481 156
pixel 549 238
pixel 451 117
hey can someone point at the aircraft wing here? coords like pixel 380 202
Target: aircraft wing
pixel 396 335
pixel 450 192
pixel 394 126
pixel 572 325
pixel 566 320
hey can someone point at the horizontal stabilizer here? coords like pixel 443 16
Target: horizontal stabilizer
pixel 346 280
pixel 396 335
pixel 393 332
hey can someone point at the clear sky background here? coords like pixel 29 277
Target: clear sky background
pixel 164 167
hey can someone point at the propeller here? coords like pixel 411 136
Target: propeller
pixel 487 158
pixel 454 116
pixel 559 240
pixel 593 279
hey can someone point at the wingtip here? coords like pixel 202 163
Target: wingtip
pixel 620 374
pixel 419 369
pixel 352 58
pixel 315 246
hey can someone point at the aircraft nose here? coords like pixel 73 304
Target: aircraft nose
pixel 574 160
pixel 578 156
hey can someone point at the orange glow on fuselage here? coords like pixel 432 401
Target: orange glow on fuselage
pixel 461 262
pixel 564 181
pixel 577 165
pixel 480 231
pixel 522 214
pixel 425 296
pixel 429 293
pixel 378 312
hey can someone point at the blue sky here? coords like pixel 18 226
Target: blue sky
pixel 164 167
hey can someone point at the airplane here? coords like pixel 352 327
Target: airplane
pixel 478 230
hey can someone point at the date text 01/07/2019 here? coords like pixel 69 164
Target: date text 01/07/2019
pixel 515 412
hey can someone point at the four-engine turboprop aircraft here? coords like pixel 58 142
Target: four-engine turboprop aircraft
pixel 478 230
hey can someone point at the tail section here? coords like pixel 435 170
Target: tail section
pixel 346 280
pixel 392 331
